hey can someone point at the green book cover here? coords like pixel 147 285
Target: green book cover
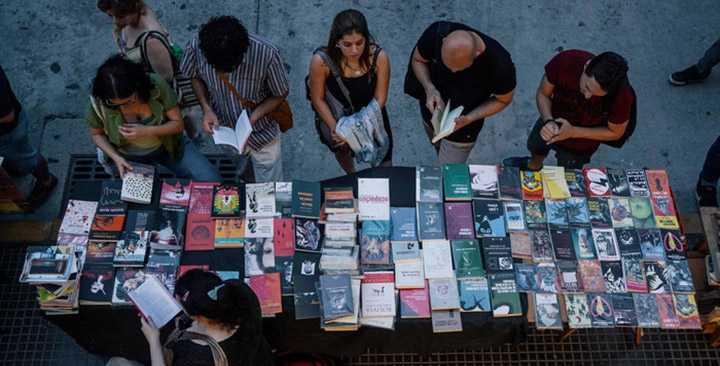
pixel 467 258
pixel 504 296
pixel 306 199
pixel 456 182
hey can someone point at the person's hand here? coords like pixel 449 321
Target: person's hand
pixel 122 164
pixel 149 329
pixel 566 131
pixel 549 131
pixel 461 121
pixel 338 139
pixel 434 100
pixel 210 122
pixel 133 131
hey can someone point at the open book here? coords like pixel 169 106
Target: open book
pixel 237 137
pixel 443 121
pixel 154 301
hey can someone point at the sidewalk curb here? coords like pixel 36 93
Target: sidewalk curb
pixel 28 231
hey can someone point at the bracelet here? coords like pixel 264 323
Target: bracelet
pixel 550 120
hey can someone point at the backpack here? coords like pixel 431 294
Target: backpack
pixel 632 122
pixel 181 85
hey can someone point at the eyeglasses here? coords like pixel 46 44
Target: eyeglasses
pixel 112 105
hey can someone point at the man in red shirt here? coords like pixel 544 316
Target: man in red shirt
pixel 583 99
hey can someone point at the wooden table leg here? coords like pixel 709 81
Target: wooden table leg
pixel 638 335
pixel 567 333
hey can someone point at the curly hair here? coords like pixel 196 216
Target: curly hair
pixel 223 42
pixel 121 8
pixel 118 78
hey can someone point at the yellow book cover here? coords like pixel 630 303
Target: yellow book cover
pixel 555 183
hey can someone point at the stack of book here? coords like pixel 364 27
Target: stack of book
pixel 54 270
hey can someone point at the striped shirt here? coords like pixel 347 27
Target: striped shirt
pixel 260 75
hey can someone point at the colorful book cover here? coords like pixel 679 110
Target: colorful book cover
pixel 373 199
pixel 226 201
pixel 576 182
pixel 583 243
pixel 132 250
pixel 474 295
pixel 521 244
pixel 535 214
pixel 405 252
pixel 628 243
pixel 624 310
pixel 542 250
pixel 443 293
pixel 110 202
pixel 596 182
pixel 378 295
pixel 428 184
pixel 100 252
pixel 532 188
pixel 687 311
pixel 229 233
pixel 554 182
pixel 201 197
pixel 404 224
pixel 467 259
pixel 175 192
pixel 527 277
pixel 680 276
pixel 459 221
pixel 456 182
pixel 672 244
pixel 78 217
pixel 308 236
pixel 601 311
pixel 483 181
pixel 614 277
pixel 662 199
pixel 437 259
pixel 599 210
pixel 284 237
pixel 577 309
pixel 164 257
pixel 138 183
pixel 497 254
pixel 634 274
pixel 267 289
pixel 260 199
pixel 306 199
pixel 514 217
pixel 510 183
pixel 638 183
pixel 618 182
pixel 642 213
pixel 591 275
pixel 570 282
pixel 651 244
pixel 375 242
pixel 444 321
pixel 606 245
pixel 666 309
pixel 166 275
pixel 200 232
pixel 107 227
pixel 489 218
pixel 431 221
pixel 557 214
pixel 504 297
pixel 563 247
pixel 657 276
pixel 547 311
pixel 339 200
pixel 646 310
pixel 184 268
pixel 259 256
pixel 72 240
pixel 577 212
pixel 284 266
pixel 414 303
pixel 549 281
pixel 620 213
pixel 126 280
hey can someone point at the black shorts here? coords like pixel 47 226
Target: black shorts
pixel 537 146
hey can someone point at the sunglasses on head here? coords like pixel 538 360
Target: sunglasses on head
pixel 112 105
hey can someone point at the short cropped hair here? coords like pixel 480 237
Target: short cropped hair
pixel 609 70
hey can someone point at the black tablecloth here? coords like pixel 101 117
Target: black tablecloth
pixel 116 331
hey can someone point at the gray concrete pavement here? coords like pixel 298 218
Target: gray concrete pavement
pixel 50 48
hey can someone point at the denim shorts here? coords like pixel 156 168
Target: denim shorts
pixel 21 157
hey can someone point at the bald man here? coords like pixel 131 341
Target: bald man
pixel 456 63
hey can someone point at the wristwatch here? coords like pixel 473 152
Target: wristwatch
pixel 549 120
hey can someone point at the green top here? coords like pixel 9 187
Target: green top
pixel 143 146
pixel 162 99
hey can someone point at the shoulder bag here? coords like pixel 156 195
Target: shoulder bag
pixel 182 84
pixel 282 114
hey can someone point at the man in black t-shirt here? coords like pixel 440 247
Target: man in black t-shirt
pixel 456 63
pixel 20 157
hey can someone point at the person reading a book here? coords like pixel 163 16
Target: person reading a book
pixel 583 99
pixel 458 66
pixel 362 68
pixel 133 116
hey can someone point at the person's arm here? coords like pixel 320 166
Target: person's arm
pixel 319 72
pixel 611 132
pixel 277 82
pixel 152 334
pixel 382 70
pixel 493 105
pixel 209 121
pixel 421 68
pixel 543 99
pixel 159 58
pixel 173 125
pixel 8 117
pixel 100 140
pixel 268 105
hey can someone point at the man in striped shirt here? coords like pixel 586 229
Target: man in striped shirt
pixel 252 66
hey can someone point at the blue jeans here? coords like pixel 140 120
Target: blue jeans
pixel 20 155
pixel 711 168
pixel 710 59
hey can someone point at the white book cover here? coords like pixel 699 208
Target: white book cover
pixel 374 198
pixel 259 228
pixel 137 183
pixel 444 321
pixel 378 295
pixel 409 275
pixel 437 259
pixel 260 199
pixel 383 323
pixel 155 302
pixel 340 230
pixel 443 294
pixel 606 244
pixel 236 138
pixel 483 181
pixel 78 217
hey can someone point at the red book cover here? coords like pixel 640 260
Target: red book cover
pixel 591 275
pixel 186 268
pixel 531 185
pixel 596 182
pixel 175 192
pixel 284 237
pixel 267 289
pixel 415 303
pixel 687 311
pixel 107 227
pixel 201 196
pixel 663 205
pixel 666 309
pixel 200 234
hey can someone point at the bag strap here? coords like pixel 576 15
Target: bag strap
pixel 219 357
pixel 374 63
pixel 99 111
pixel 143 47
pixel 242 100
pixel 336 74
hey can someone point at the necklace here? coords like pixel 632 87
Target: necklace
pixel 355 70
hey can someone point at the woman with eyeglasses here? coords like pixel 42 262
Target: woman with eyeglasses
pixel 133 116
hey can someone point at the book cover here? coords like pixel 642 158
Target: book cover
pixel 606 245
pixel 284 266
pixel 409 275
pixel 431 221
pixel 547 311
pixel 267 289
pixel 437 259
pixel 614 277
pixel 459 221
pixel 497 254
pixel 619 186
pixel 126 280
pixel 306 199
pixel 657 276
pixel 527 277
pixel 414 303
pixel 509 181
pixel 138 183
pixel 307 305
pixel 283 200
pixel 474 295
pixel 445 321
pixel 336 296
pixel 624 310
pixel 339 200
pixel 184 268
pixel 542 250
pixel 404 227
pixel 576 182
pixel 110 202
pixel 305 271
pixel 100 252
pixel 96 284
pixel 164 257
pixel 570 282
pixel 71 240
pixel 503 295
pixel 168 228
pixel 680 276
pixel 577 212
pixel 132 250
pixel 456 182
pixel 563 247
pixel 535 214
pixel 554 182
pixel 373 199
pixel 662 200
pixel 672 244
pixel 139 220
pixel 646 310
pixel 78 217
pixel 428 184
pixel 577 309
pixel 634 274
pixel 601 311
pixel 620 213
pixel 687 311
pixel 483 181
pixel 642 213
pixel 489 218
pixel 666 309
pixel 167 275
pixel 229 233
pixel 628 243
pixel 405 252
pixel 200 232
pixel 467 259
pixel 514 217
pixel 259 256
pixel 336 230
pixel 583 243
pixel 265 228
pixel 521 245
pixel 599 212
pixel 549 280
pixel 260 199
pixel 638 183
pixel 226 201
pixel 107 227
pixel 375 242
pixel 443 294
pixel 175 192
pixel 284 238
pixel 591 275
pixel 557 214
pixel 532 187
pixel 596 182
pixel 378 295
pixel 154 301
pixel 201 197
